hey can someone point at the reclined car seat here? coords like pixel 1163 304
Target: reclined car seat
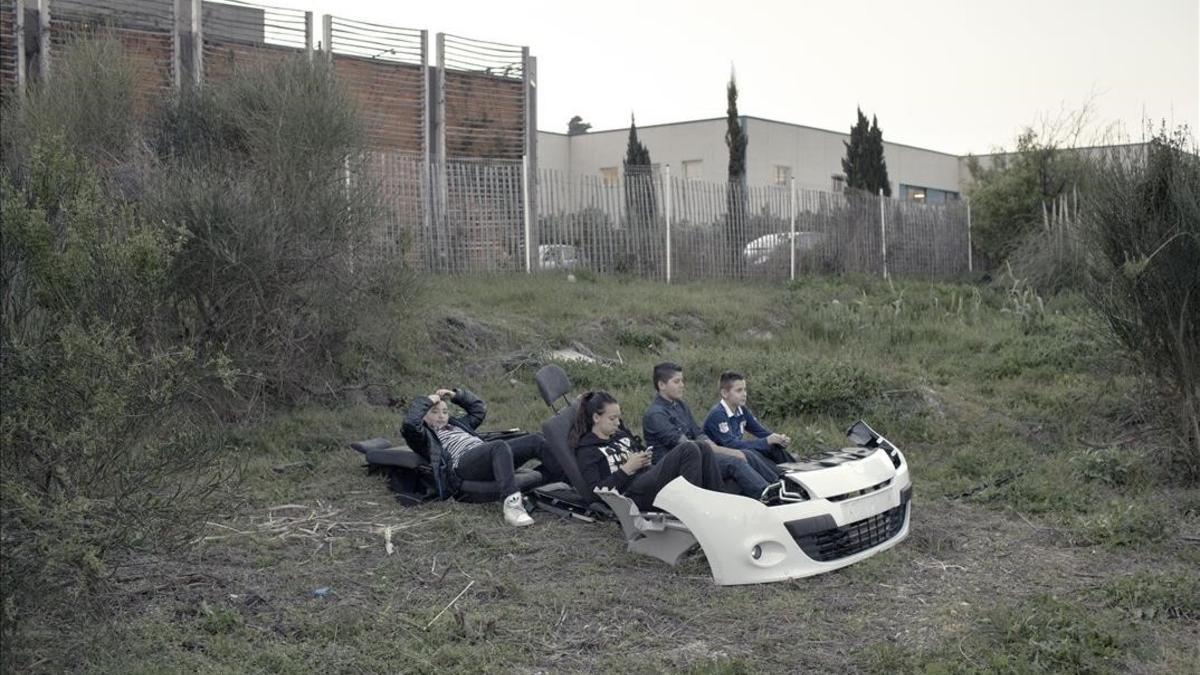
pixel 410 475
pixel 573 498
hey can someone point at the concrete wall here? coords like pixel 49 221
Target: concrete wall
pixel 813 155
pixel 554 151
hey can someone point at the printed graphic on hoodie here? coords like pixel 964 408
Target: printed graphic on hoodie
pixel 617 452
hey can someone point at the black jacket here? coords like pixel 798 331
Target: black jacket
pixel 424 441
pixel 600 459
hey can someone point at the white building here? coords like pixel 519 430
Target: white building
pixel 777 152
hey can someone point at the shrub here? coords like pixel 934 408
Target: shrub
pixel 788 387
pixel 1008 197
pixel 1143 224
pixel 99 453
pixel 89 101
pixel 276 266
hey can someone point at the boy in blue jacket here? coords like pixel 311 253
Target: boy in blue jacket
pixel 729 420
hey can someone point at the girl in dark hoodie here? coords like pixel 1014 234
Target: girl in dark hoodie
pixel 611 457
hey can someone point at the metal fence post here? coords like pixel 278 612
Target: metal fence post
pixel 327 34
pixel 667 209
pixel 528 214
pixel 883 233
pixel 970 261
pixel 309 29
pixel 792 227
pixel 43 40
pixel 19 27
pixel 197 32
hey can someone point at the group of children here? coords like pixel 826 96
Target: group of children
pixel 608 454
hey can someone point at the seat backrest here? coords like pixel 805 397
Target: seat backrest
pixel 556 430
pixel 553 384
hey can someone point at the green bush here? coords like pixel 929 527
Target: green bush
pixel 99 449
pixel 276 268
pixel 1008 197
pixel 786 387
pixel 1143 223
pixel 89 100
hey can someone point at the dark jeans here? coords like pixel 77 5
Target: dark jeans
pixel 752 475
pixel 694 461
pixel 498 460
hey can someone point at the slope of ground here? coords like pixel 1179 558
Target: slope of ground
pixel 1046 536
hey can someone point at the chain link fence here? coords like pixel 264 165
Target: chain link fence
pixel 635 225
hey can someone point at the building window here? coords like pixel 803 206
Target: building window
pixel 781 174
pixel 608 175
pixel 839 182
pixel 691 168
pixel 926 195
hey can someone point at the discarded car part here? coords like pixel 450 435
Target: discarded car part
pixel 660 535
pixel 831 511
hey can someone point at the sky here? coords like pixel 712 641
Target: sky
pixel 960 76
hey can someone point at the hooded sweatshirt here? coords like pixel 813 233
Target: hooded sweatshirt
pixel 600 459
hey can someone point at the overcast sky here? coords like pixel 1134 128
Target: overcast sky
pixel 956 76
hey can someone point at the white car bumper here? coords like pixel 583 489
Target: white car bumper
pixel 856 506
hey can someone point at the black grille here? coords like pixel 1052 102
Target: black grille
pixel 833 543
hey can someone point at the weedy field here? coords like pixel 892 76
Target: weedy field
pixel 1048 533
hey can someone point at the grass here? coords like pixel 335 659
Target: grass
pixel 1044 537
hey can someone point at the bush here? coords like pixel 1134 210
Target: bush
pixel 89 101
pixel 276 266
pixel 1008 198
pixel 1143 224
pixel 787 387
pixel 99 453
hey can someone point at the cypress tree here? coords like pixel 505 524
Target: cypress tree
pixel 735 195
pixel 640 202
pixel 864 163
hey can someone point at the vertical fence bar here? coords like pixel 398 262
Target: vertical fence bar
pixel 327 36
pixel 309 29
pixel 970 261
pixel 197 32
pixel 883 233
pixel 19 27
pixel 667 212
pixel 183 15
pixel 43 39
pixel 528 212
pixel 792 224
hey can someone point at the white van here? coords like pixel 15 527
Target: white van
pixel 760 250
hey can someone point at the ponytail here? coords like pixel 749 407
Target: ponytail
pixel 590 404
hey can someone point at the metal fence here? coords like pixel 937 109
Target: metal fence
pixel 240 34
pixel 384 69
pixel 475 221
pixel 448 210
pixel 12 46
pixel 145 30
pixel 483 106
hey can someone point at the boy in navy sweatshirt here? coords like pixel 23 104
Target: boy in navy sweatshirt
pixel 730 420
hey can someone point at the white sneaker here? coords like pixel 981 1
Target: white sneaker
pixel 514 511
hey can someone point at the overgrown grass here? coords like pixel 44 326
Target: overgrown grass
pixel 1040 526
